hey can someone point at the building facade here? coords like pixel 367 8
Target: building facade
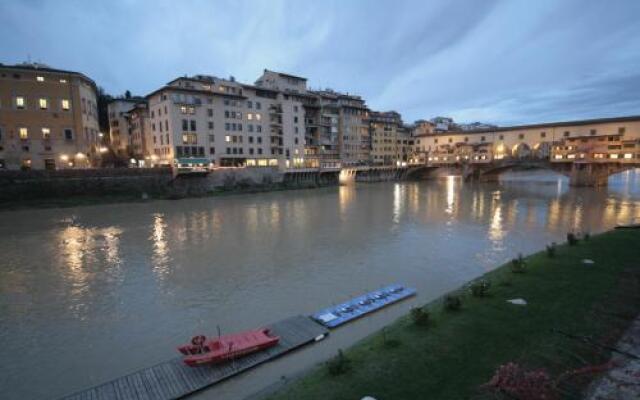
pixel 605 138
pixel 48 118
pixel 119 125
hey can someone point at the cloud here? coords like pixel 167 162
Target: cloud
pixel 495 61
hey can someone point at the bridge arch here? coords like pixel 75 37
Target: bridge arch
pixel 542 150
pixel 521 150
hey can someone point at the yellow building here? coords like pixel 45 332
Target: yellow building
pixel 48 118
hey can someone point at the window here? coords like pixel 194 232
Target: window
pixel 49 164
pixel 210 112
pixel 592 132
pixel 259 139
pixel 226 126
pixel 258 105
pixel 482 139
pixel 20 102
pixel 250 139
pixel 40 78
pixel 65 104
pixel 249 104
pixel 212 138
pixel 189 138
pixel 521 136
pixel 63 81
pixel 621 130
pixel 68 134
pixel 295 120
pixel 543 134
pixel 227 138
pixel 250 128
pixel 210 124
pixel 212 150
pixel 295 109
pixel 43 104
pixel 259 151
pixel 259 128
pixel 566 133
pixel 185 125
pixel 193 125
pixel 24 133
pixel 258 116
pixel 26 163
pixel 46 133
pixel 249 116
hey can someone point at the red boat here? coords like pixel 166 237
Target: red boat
pixel 212 351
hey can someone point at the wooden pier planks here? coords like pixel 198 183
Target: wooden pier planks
pixel 173 379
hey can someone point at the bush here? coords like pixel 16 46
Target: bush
pixel 586 236
pixel 339 364
pixel 551 250
pixel 572 239
pixel 518 265
pixel 480 288
pixel 420 316
pixel 452 303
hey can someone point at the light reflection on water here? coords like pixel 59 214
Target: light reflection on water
pixel 85 286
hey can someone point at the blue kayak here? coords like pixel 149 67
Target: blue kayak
pixel 335 316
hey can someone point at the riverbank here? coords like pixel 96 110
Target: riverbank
pixel 557 342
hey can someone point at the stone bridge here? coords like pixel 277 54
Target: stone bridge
pixel 581 172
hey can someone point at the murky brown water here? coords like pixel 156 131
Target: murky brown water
pixel 88 294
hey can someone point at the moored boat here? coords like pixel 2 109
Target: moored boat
pixel 224 348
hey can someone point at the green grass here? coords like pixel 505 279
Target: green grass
pixel 460 350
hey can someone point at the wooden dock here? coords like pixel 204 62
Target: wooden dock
pixel 173 379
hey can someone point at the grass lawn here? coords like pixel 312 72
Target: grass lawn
pixel 458 351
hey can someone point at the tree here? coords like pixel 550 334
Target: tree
pixel 127 94
pixel 103 112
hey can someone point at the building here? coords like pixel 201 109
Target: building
pixel 48 118
pixel 386 129
pixel 119 129
pixel 604 138
pixel 227 122
pixel 277 121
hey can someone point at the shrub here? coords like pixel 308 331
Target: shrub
pixel 572 239
pixel 480 288
pixel 518 265
pixel 452 303
pixel 420 316
pixel 586 236
pixel 339 364
pixel 551 250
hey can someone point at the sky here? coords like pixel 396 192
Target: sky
pixel 503 62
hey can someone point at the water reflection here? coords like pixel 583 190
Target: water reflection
pixel 91 279
pixel 160 259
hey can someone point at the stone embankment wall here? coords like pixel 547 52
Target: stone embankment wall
pixel 17 186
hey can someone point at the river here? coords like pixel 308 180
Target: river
pixel 90 293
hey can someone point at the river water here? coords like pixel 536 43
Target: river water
pixel 90 293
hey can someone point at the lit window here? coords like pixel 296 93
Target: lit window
pixel 558 156
pixel 46 133
pixel 43 104
pixel 249 116
pixel 613 156
pixel 65 104
pixel 63 81
pixel 24 133
pixel 628 155
pixel 227 138
pixel 40 78
pixel 20 102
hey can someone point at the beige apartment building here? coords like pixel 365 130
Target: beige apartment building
pixel 48 118
pixel 391 142
pixel 228 123
pixel 277 121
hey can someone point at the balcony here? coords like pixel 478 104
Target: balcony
pixel 273 109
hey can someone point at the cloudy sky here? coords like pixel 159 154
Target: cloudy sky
pixel 503 62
